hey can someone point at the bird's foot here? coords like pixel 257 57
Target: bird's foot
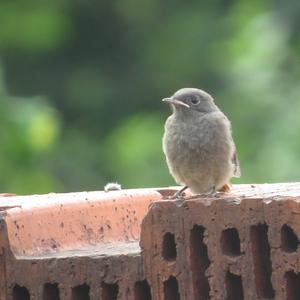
pixel 213 193
pixel 218 193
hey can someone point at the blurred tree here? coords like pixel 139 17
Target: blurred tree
pixel 80 97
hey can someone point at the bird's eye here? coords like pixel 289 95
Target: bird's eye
pixel 195 100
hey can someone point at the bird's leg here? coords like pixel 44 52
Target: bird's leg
pixel 213 192
pixel 178 194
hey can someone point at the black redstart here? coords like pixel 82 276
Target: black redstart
pixel 198 145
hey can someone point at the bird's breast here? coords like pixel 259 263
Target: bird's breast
pixel 194 141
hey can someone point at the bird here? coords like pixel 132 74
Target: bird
pixel 198 144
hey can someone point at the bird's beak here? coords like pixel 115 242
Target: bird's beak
pixel 175 102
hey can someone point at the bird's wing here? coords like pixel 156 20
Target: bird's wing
pixel 236 162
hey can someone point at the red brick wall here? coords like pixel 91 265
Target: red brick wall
pixel 242 245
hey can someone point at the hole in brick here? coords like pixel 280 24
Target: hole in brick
pixel 81 292
pixel 199 263
pixel 261 260
pixel 289 240
pixel 169 251
pixel 171 289
pixel 20 293
pixel 142 291
pixel 234 287
pixel 51 292
pixel 230 242
pixel 110 291
pixel 292 285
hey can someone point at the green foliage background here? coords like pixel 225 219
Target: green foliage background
pixel 81 84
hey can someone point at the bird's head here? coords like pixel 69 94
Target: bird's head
pixel 189 100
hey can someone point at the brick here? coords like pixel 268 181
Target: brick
pixel 135 244
pixel 72 246
pixel 241 246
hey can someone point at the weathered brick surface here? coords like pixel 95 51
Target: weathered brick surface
pixel 243 245
pixel 69 270
pixel 72 246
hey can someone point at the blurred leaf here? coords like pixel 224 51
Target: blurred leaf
pixel 103 68
pixel 134 153
pixel 36 28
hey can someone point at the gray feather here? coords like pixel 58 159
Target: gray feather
pixel 235 160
